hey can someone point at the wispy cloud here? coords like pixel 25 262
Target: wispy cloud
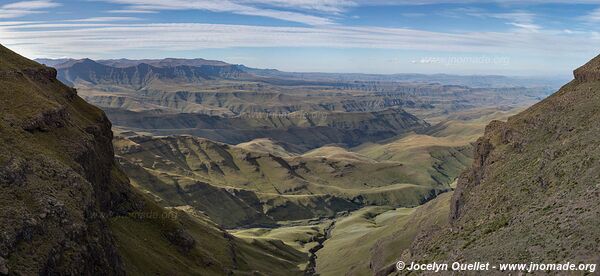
pixel 106 39
pixel 526 27
pixel 23 8
pixel 593 17
pixel 335 6
pixel 230 7
pixel 522 21
pixel 104 19
pixel 131 11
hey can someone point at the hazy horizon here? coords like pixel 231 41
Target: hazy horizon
pixel 564 77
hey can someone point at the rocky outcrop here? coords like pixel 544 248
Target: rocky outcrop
pixel 589 71
pixel 47 120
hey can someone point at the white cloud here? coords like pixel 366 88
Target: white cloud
pixel 108 39
pixel 523 21
pixel 335 6
pixel 593 17
pixel 526 27
pixel 23 8
pixel 31 5
pixel 225 6
pixel 131 11
pixel 104 19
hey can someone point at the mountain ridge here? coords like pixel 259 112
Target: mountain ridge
pixel 140 75
pixel 479 81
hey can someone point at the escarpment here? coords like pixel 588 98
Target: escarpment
pixel 142 74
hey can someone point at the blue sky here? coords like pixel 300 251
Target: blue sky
pixel 528 37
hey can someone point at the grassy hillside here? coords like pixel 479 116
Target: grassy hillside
pixel 440 153
pixel 261 187
pixel 370 240
pixel 202 248
pixel 298 131
pixel 532 193
pixel 263 181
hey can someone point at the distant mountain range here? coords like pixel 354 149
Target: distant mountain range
pixel 139 74
pixel 220 69
pixel 234 104
pixel 123 62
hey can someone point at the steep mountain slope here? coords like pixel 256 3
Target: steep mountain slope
pixel 58 176
pixel 442 151
pixel 68 209
pixel 532 193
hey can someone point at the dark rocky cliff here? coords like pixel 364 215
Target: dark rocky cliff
pixel 58 179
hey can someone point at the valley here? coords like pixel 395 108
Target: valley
pixel 306 137
pixel 274 179
pixel 312 165
pixel 316 165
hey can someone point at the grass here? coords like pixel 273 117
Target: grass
pixel 214 253
pixel 272 183
pixel 374 237
pixel 358 243
pixel 184 170
pixel 535 192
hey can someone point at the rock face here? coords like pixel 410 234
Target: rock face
pixel 589 71
pixel 532 193
pixel 58 179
